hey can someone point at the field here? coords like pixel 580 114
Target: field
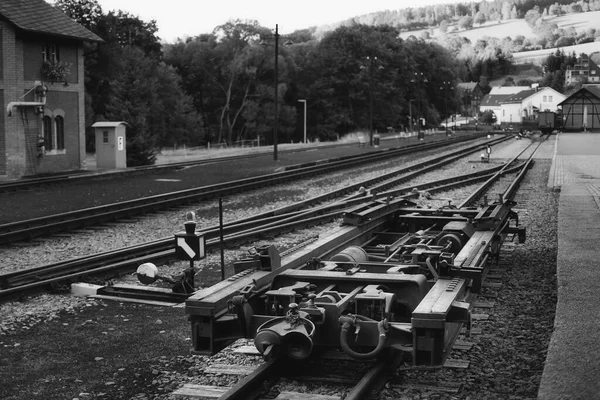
pixel 515 27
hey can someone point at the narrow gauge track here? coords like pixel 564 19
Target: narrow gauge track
pixel 32 228
pixel 377 375
pixel 34 182
pixel 357 378
pixel 271 223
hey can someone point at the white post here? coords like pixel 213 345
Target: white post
pixel 304 101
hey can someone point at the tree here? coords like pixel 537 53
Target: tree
pixel 443 26
pixel 488 117
pixel 506 10
pixel 465 22
pixel 479 18
pixel 496 16
pixel 85 12
pixel 133 100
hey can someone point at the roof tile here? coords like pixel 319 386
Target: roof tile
pixel 41 17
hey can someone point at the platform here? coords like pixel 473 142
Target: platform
pixel 572 368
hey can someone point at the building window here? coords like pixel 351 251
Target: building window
pixel 50 53
pixel 59 125
pixel 544 99
pixel 105 137
pixel 47 131
pixel 549 98
pixel 503 113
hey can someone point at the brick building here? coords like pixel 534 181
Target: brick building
pixel 42 123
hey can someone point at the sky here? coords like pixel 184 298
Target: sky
pixel 181 18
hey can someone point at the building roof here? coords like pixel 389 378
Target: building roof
pixel 108 124
pixel 466 85
pixel 493 100
pixel 594 90
pixel 40 17
pixel 519 97
pixel 507 89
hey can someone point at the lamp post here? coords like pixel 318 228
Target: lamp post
pixel 420 79
pixel 410 113
pixel 446 86
pixel 276 123
pixel 276 85
pixel 371 61
pixel 276 94
pixel 304 102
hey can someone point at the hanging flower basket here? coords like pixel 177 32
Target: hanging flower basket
pixel 56 71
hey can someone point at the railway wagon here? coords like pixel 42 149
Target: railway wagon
pixel 392 277
pixel 548 121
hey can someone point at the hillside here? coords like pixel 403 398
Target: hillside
pixel 512 28
pixel 515 27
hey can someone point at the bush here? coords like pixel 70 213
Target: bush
pixel 565 41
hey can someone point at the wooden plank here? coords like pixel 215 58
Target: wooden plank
pixel 480 317
pixel 483 304
pixel 462 345
pixel 228 369
pixel 489 295
pixel 247 349
pixel 304 396
pixel 457 364
pixel 474 331
pixel 329 378
pixel 200 391
pixel 133 300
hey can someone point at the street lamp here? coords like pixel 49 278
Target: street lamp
pixel 446 86
pixel 304 101
pixel 410 113
pixel 419 78
pixel 371 61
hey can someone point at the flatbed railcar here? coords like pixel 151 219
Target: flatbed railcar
pixel 392 276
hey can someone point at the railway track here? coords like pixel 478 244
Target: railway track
pixel 48 225
pixel 378 374
pixel 298 216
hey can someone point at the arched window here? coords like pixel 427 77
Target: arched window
pixel 47 130
pixel 59 124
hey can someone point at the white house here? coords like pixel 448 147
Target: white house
pixel 525 104
pixel 492 101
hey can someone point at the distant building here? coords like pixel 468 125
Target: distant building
pixel 493 100
pixel 584 70
pixel 581 110
pixel 516 104
pixel 525 105
pixel 42 125
pixel 471 95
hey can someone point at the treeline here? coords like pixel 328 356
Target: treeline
pixel 220 87
pixel 126 79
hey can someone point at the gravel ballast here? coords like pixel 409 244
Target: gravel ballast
pixel 506 359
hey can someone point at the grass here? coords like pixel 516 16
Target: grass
pixel 110 351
